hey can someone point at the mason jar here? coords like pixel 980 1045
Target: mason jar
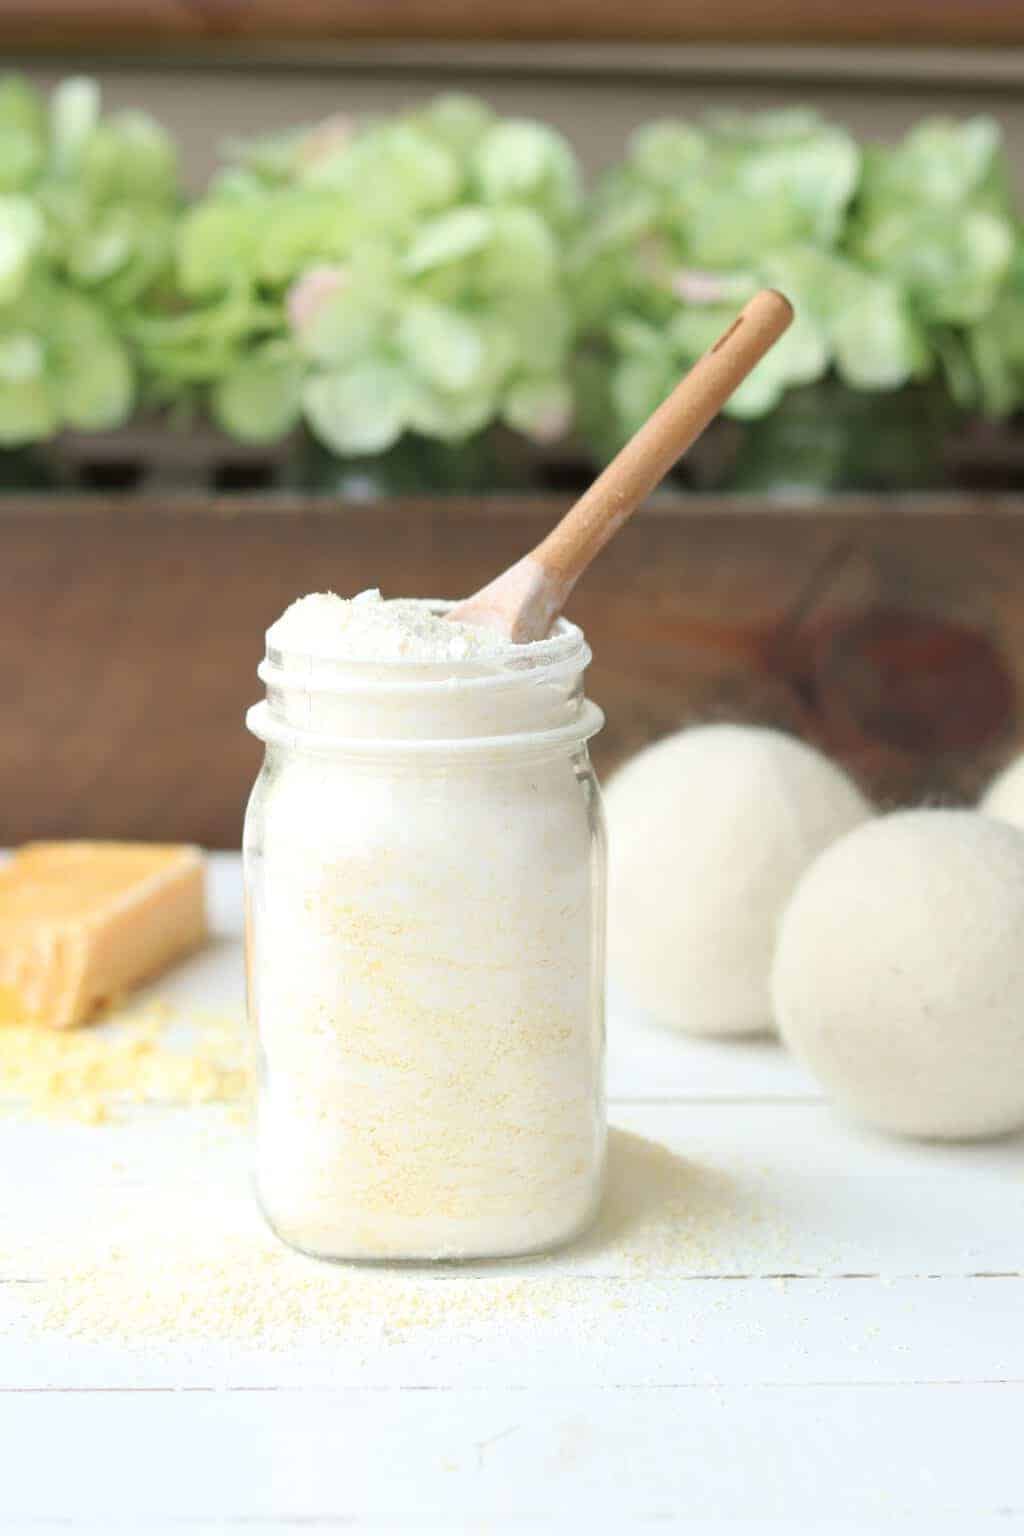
pixel 425 874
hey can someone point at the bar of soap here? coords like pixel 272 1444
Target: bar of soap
pixel 83 922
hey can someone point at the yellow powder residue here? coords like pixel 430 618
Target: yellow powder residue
pixel 260 1293
pixel 155 1054
pixel 176 1261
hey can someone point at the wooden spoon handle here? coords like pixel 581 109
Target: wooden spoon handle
pixel 650 454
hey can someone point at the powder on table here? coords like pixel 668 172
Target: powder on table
pixel 132 1059
pixel 366 628
pixel 149 1265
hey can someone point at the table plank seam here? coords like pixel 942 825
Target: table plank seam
pixel 324 1389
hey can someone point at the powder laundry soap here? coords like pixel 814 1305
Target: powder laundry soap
pixel 424 866
pixel 709 831
pixel 899 977
pixel 368 629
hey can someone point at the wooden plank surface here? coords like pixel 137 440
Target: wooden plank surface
pixel 888 632
pixel 761 1191
pixel 846 1355
pixel 56 24
pixel 508 1459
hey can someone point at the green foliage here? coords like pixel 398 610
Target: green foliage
pixel 399 275
pixel 61 364
pixel 432 273
pixel 88 206
pixel 934 213
pixel 993 363
pixel 899 261
pixel 258 397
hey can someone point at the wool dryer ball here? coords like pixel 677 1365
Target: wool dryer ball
pixel 899 977
pixel 1004 797
pixel 709 831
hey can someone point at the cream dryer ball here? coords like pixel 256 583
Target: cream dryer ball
pixel 899 977
pixel 1004 797
pixel 709 832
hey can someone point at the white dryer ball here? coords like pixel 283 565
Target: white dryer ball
pixel 709 831
pixel 899 977
pixel 1004 797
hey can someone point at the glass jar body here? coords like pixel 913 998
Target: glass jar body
pixel 426 968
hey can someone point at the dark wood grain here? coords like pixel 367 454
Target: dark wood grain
pixel 60 24
pixel 890 632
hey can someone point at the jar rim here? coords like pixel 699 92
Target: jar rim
pixel 270 729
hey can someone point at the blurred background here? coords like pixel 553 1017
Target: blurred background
pixel 339 295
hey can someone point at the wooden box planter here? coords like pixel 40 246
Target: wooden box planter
pixel 888 630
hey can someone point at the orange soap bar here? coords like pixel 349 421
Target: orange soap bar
pixel 81 923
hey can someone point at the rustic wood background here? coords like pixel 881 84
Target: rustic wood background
pixel 889 631
pixel 59 24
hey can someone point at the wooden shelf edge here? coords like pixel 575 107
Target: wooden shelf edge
pixel 57 25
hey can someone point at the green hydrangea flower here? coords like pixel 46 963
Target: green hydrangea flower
pixel 895 261
pixel 88 206
pixel 992 360
pixel 61 364
pixel 403 274
pixel 933 213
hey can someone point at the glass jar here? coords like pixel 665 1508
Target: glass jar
pixel 424 861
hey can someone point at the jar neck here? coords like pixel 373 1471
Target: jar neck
pixel 315 701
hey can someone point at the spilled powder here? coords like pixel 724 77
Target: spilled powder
pixel 174 1254
pixel 140 1229
pixel 150 1055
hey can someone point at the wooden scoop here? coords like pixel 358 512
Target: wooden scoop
pixel 524 601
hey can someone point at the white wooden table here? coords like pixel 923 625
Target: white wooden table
pixel 841 1347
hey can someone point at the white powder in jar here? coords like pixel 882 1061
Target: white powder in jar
pixel 426 886
pixel 368 629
